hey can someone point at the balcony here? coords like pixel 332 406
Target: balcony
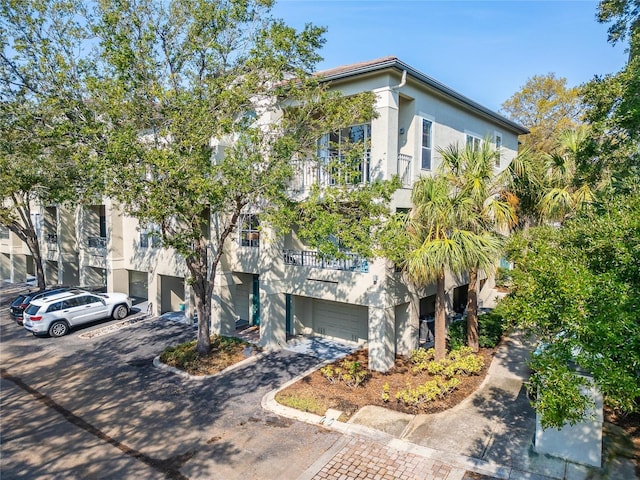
pixel 404 169
pixel 351 262
pixel 97 242
pixel 328 172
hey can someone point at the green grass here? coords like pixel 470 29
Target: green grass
pixel 301 403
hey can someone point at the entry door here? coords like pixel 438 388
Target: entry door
pixel 287 315
pixel 255 301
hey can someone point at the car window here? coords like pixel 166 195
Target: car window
pixel 74 302
pixel 84 300
pixel 94 299
pixel 54 307
pixel 32 309
pixel 18 300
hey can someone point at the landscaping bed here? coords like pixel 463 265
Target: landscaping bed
pixel 225 351
pixel 315 393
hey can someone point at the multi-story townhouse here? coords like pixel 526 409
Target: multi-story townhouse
pixel 277 282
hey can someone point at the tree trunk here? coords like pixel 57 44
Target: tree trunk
pixel 32 243
pixel 472 310
pixel 198 268
pixel 26 231
pixel 440 320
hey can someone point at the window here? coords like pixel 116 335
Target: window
pixel 473 141
pixel 347 147
pixel 498 148
pixel 150 239
pixel 249 231
pixel 425 155
pixel 55 307
pixel 103 221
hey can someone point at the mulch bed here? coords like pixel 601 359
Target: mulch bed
pixel 349 400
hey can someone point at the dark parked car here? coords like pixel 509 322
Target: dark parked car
pixel 19 305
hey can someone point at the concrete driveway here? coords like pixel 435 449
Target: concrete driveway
pixel 83 408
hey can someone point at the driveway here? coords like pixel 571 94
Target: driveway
pixel 76 407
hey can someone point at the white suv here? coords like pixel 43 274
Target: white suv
pixel 56 314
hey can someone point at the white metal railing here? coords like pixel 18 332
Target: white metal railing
pixel 350 262
pixel 97 242
pixel 327 171
pixel 404 169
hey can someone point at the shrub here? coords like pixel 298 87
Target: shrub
pixel 460 361
pixel 385 392
pixel 457 335
pixel 427 392
pixel 330 373
pixel 490 330
pixel 503 277
pixel 467 365
pixel 351 372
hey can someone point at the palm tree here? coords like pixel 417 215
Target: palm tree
pixel 438 242
pixel 563 193
pixel 471 172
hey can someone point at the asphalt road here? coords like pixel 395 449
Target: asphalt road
pixel 79 408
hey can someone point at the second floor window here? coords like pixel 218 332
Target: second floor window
pixel 150 239
pixel 425 155
pixel 249 231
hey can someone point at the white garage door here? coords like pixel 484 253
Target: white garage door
pixel 340 320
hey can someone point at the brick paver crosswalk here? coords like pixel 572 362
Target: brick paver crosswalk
pixel 367 460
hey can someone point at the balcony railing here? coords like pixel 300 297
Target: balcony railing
pixel 351 262
pixel 404 169
pixel 329 172
pixel 97 242
pixel 52 238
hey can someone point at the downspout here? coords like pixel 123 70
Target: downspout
pixel 403 81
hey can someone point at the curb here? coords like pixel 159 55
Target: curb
pixel 125 323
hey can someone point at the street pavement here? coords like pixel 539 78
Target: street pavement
pixel 90 406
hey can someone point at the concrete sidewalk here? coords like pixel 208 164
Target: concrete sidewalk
pixel 489 433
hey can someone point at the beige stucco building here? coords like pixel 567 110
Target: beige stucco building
pixel 277 283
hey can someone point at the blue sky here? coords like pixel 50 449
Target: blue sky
pixel 485 50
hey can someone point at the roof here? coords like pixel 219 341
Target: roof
pixel 391 62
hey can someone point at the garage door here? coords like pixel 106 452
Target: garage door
pixel 138 284
pixel 340 320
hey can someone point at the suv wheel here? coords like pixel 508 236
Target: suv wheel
pixel 59 328
pixel 120 312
